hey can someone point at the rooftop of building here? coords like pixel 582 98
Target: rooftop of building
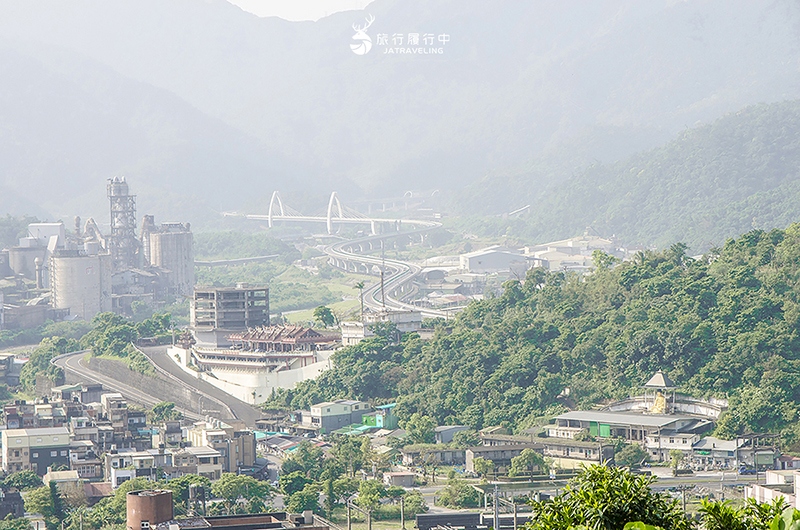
pixel 61 476
pixel 717 444
pixel 238 288
pixel 624 418
pixel 444 428
pixel 512 447
pixel 490 250
pixel 37 431
pixel 660 380
pixel 69 388
pixel 337 402
pixel 277 334
pixel 201 450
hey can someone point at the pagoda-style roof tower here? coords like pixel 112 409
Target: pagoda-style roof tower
pixel 660 381
pixel 658 402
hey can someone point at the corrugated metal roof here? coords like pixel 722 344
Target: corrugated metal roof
pixel 621 418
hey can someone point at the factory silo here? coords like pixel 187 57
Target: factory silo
pixel 171 247
pixel 81 282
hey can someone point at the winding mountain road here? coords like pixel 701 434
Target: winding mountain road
pixel 73 362
pixel 238 408
pixel 401 272
pixel 157 355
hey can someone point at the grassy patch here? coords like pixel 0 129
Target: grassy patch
pixel 345 309
pixel 135 361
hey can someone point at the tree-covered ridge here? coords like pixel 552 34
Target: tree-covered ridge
pixel 231 245
pixel 726 324
pixel 708 184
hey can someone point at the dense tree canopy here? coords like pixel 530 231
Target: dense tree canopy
pixel 706 185
pixel 724 324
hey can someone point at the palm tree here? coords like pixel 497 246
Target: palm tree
pixel 360 287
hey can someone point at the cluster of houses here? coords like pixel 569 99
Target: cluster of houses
pixel 84 436
pixel 660 421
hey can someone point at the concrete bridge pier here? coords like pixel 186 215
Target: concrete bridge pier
pixel 373 227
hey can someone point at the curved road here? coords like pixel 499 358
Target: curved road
pixel 240 409
pixel 402 272
pixel 73 362
pixel 158 356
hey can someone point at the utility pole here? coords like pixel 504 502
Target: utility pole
pixel 367 513
pixel 402 513
pixel 383 267
pixel 515 511
pixel 496 507
pixel 683 497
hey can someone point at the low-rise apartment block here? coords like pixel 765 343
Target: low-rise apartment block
pixel 34 449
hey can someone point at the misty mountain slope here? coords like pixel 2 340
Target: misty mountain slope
pixel 516 79
pixel 67 124
pixel 708 184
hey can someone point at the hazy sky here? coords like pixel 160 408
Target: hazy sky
pixel 299 9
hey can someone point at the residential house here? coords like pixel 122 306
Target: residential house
pixel 331 415
pixel 500 455
pixel 11 503
pixel 84 460
pixel 382 417
pixel 34 449
pixel 115 410
pixel 235 444
pixel 168 433
pixel 777 484
pixel 404 479
pixel 444 433
pixel 422 454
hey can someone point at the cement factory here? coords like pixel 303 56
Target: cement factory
pixel 56 274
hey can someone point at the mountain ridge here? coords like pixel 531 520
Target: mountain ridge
pixel 704 186
pixel 515 81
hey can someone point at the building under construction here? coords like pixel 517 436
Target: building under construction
pixel 216 312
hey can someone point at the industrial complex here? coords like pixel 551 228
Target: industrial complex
pixel 56 274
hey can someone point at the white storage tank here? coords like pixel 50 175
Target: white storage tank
pixel 81 283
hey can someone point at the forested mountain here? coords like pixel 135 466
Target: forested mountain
pixel 708 184
pixel 179 95
pixel 70 123
pixel 724 325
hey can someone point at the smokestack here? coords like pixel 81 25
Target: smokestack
pixel 39 280
pixel 78 226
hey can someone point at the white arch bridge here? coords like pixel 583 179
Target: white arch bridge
pixel 336 214
pixel 398 275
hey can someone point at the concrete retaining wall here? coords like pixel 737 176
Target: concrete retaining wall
pixel 154 386
pixel 241 384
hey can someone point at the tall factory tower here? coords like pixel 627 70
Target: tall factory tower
pixel 123 243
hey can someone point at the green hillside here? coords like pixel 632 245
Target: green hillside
pixel 725 325
pixel 708 184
